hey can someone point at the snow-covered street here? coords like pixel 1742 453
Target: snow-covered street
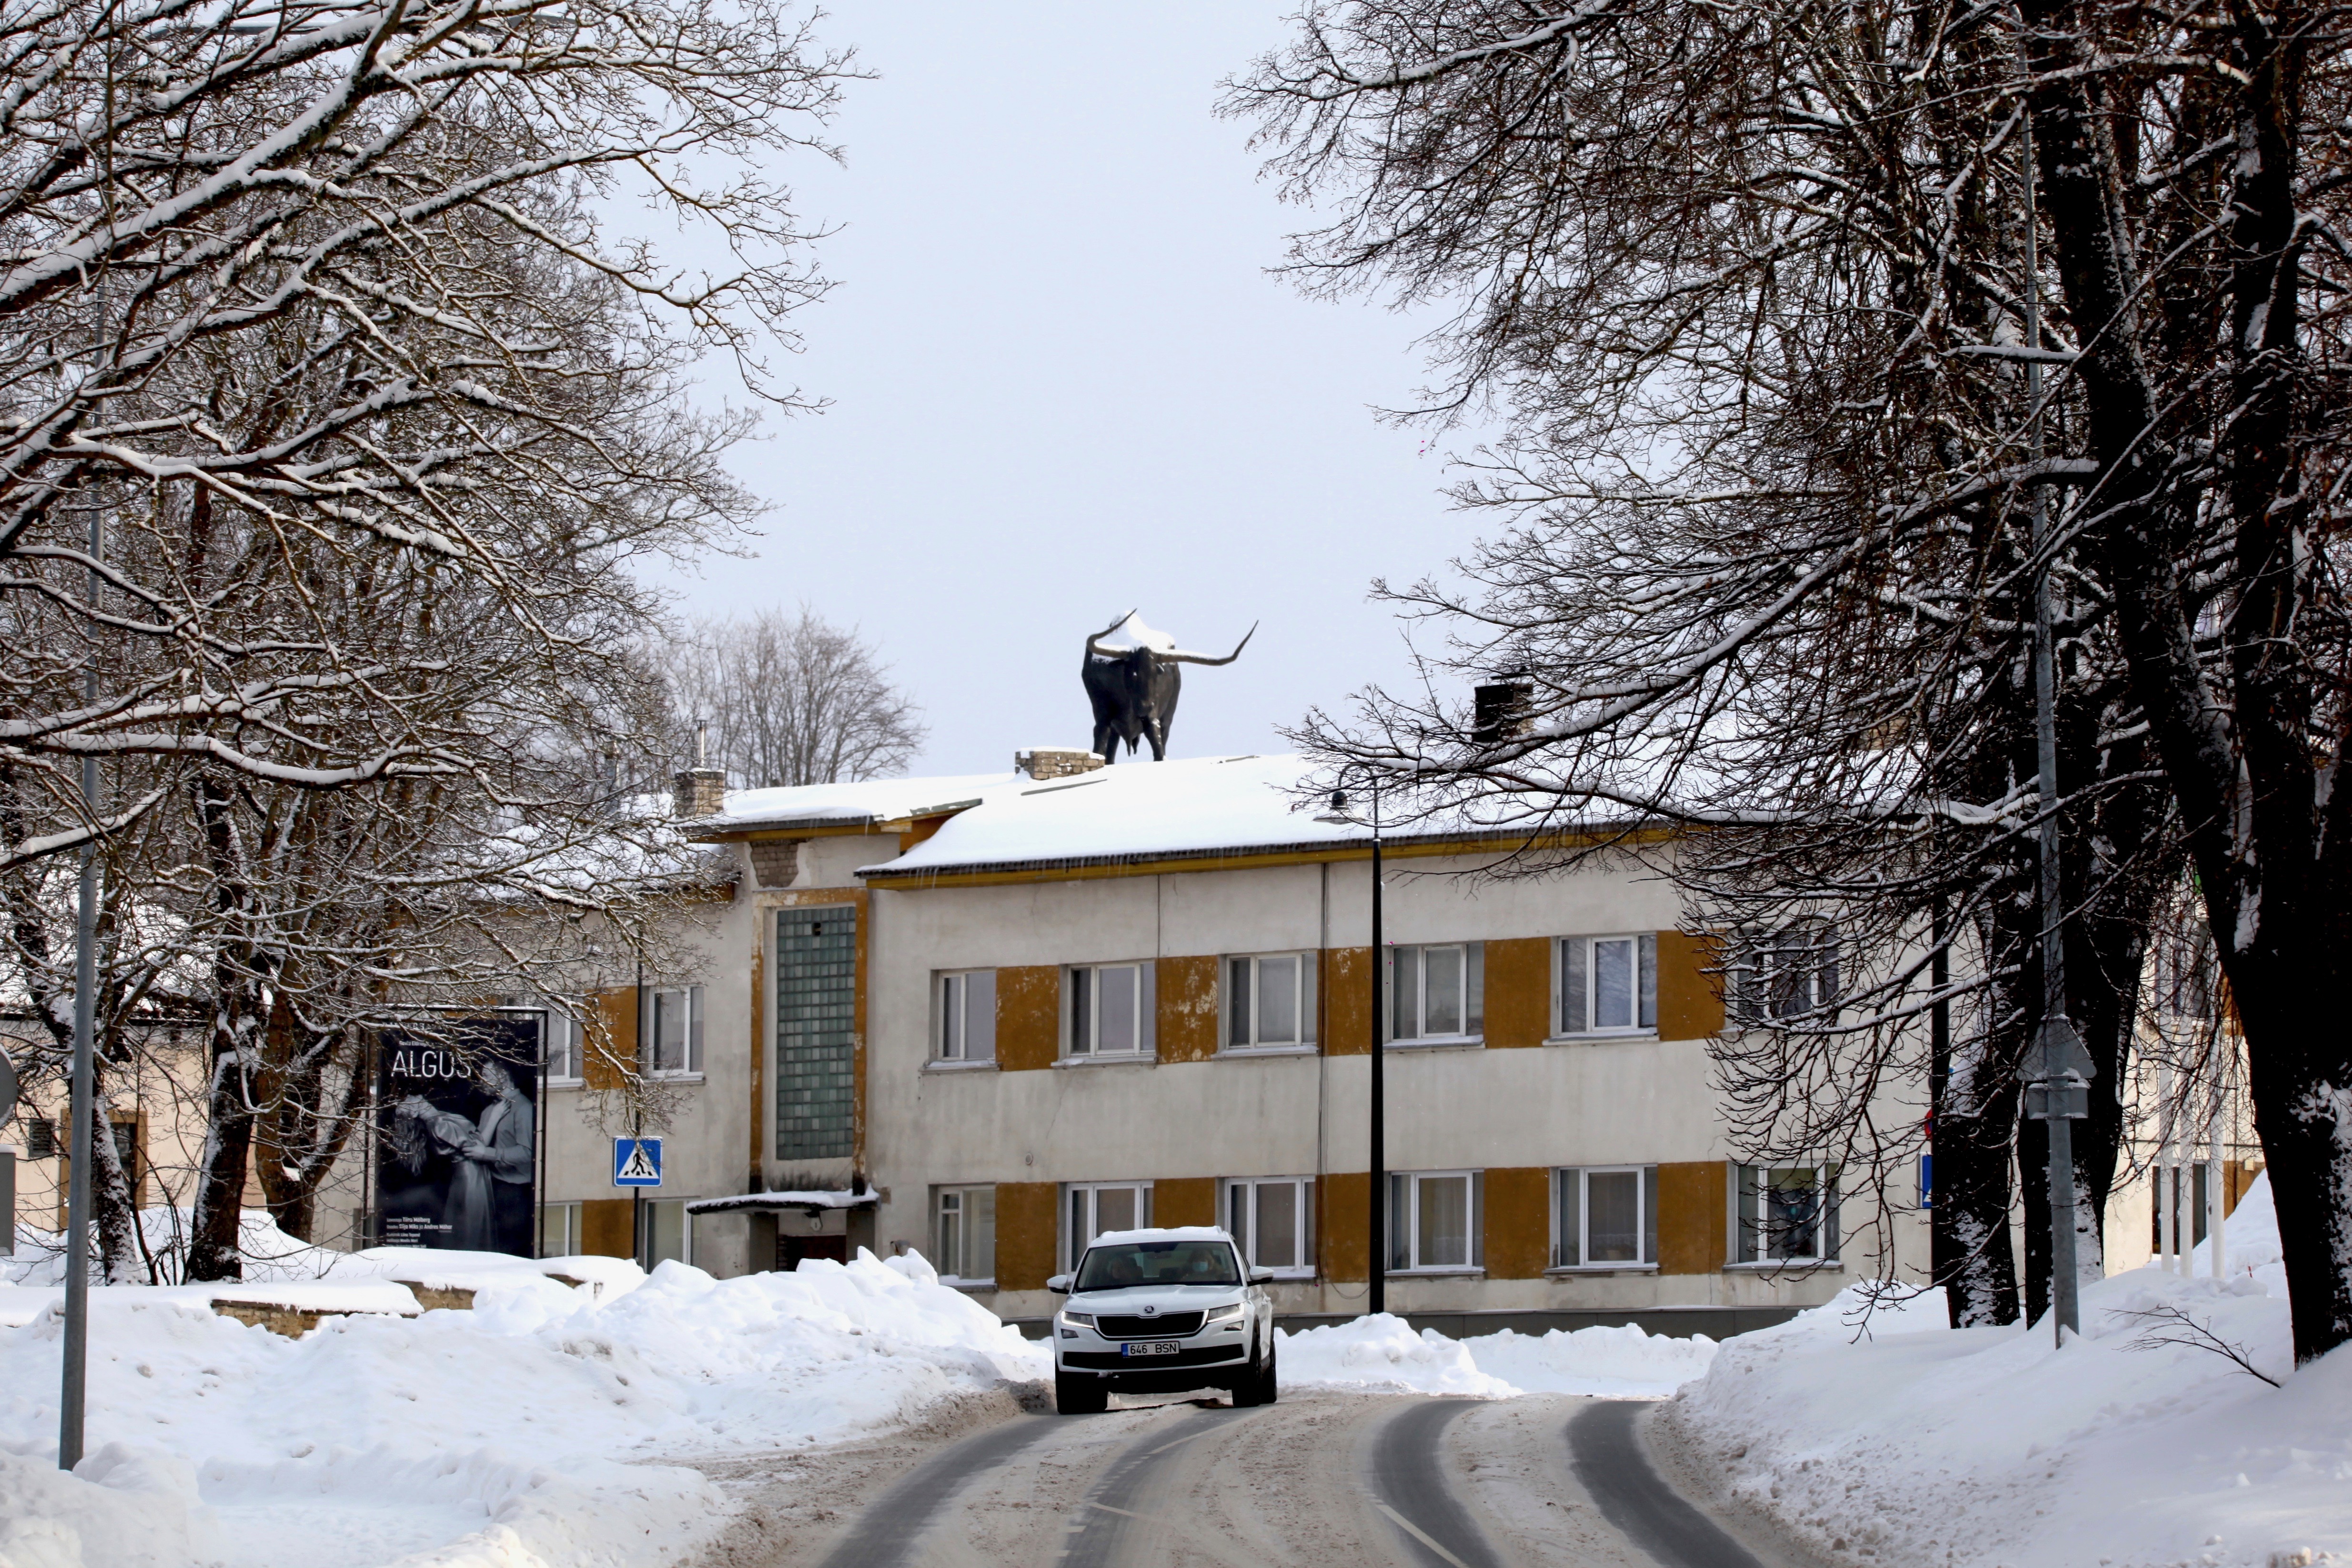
pixel 865 1414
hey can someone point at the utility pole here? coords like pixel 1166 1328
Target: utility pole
pixel 2057 1089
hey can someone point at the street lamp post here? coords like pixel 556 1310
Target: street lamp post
pixel 2057 1090
pixel 1375 1270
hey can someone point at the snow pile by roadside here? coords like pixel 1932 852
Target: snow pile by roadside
pixel 1622 1360
pixel 1381 1355
pixel 1990 1447
pixel 515 1435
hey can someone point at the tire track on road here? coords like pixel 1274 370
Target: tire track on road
pixel 1606 1453
pixel 887 1531
pixel 1410 1485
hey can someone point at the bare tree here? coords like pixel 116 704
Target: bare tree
pixel 789 699
pixel 1754 282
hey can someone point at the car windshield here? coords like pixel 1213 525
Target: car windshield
pixel 1126 1263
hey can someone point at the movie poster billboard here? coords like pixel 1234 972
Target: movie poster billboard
pixel 457 1125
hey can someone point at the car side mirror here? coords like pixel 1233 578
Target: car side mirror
pixel 1261 1276
pixel 1059 1284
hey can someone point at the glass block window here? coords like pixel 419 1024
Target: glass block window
pixel 816 981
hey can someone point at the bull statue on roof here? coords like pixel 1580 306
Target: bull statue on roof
pixel 1134 690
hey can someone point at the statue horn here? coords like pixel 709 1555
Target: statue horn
pixel 1175 657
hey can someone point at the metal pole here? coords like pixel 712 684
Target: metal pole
pixel 1376 1296
pixel 2058 1095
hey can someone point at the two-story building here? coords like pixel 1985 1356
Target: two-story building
pixel 989 1017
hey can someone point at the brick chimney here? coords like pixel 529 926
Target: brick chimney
pixel 701 789
pixel 698 792
pixel 1055 762
pixel 1499 709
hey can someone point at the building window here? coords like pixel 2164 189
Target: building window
pixel 1437 992
pixel 674 1032
pixel 41 1140
pixel 563 1045
pixel 558 1230
pixel 816 1016
pixel 1604 1217
pixel 669 1232
pixel 1273 1218
pixel 1269 1001
pixel 1091 1208
pixel 1608 984
pixel 967 1235
pixel 1109 1010
pixel 1790 973
pixel 967 1014
pixel 1435 1219
pixel 1788 1214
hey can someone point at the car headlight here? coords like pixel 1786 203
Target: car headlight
pixel 1223 1314
pixel 1078 1319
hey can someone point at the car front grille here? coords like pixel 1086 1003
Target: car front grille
pixel 1169 1326
pixel 1111 1361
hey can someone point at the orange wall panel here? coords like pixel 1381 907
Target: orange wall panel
pixel 1186 1200
pixel 1347 1002
pixel 1028 1017
pixel 607 1227
pixel 611 1041
pixel 1025 1216
pixel 1690 999
pixel 1344 1223
pixel 1518 1222
pixel 1188 1010
pixel 1693 1214
pixel 1518 992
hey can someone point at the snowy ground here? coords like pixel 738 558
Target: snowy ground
pixel 1991 1448
pixel 551 1426
pixel 533 1429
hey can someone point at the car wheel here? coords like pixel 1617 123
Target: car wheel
pixel 1079 1396
pixel 1268 1393
pixel 1249 1388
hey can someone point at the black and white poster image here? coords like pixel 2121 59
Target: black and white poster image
pixel 458 1134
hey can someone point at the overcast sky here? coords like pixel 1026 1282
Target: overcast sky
pixel 1063 384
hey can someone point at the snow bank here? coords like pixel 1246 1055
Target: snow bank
pixel 1920 1444
pixel 1624 1361
pixel 1383 1355
pixel 527 1432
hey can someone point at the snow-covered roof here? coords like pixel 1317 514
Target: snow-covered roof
pixel 851 805
pixel 1247 804
pixel 1165 1233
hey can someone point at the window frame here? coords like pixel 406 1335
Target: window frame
pixel 1146 998
pixel 1307 1002
pixel 571 1211
pixel 960 1193
pixel 1072 1250
pixel 1578 1208
pixel 1747 1235
pixel 1473 989
pixel 952 1004
pixel 1405 1240
pixel 653 1231
pixel 1574 967
pixel 1766 960
pixel 691 1068
pixel 1302 1222
pixel 560 1024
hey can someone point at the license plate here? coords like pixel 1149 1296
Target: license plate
pixel 1148 1348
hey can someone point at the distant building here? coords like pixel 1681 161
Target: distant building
pixel 985 1018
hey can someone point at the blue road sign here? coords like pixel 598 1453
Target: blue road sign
pixel 637 1162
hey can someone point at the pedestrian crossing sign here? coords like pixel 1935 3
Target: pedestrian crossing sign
pixel 637 1162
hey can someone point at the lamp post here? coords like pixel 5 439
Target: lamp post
pixel 2057 1092
pixel 1375 1269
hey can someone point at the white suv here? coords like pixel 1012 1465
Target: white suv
pixel 1162 1310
